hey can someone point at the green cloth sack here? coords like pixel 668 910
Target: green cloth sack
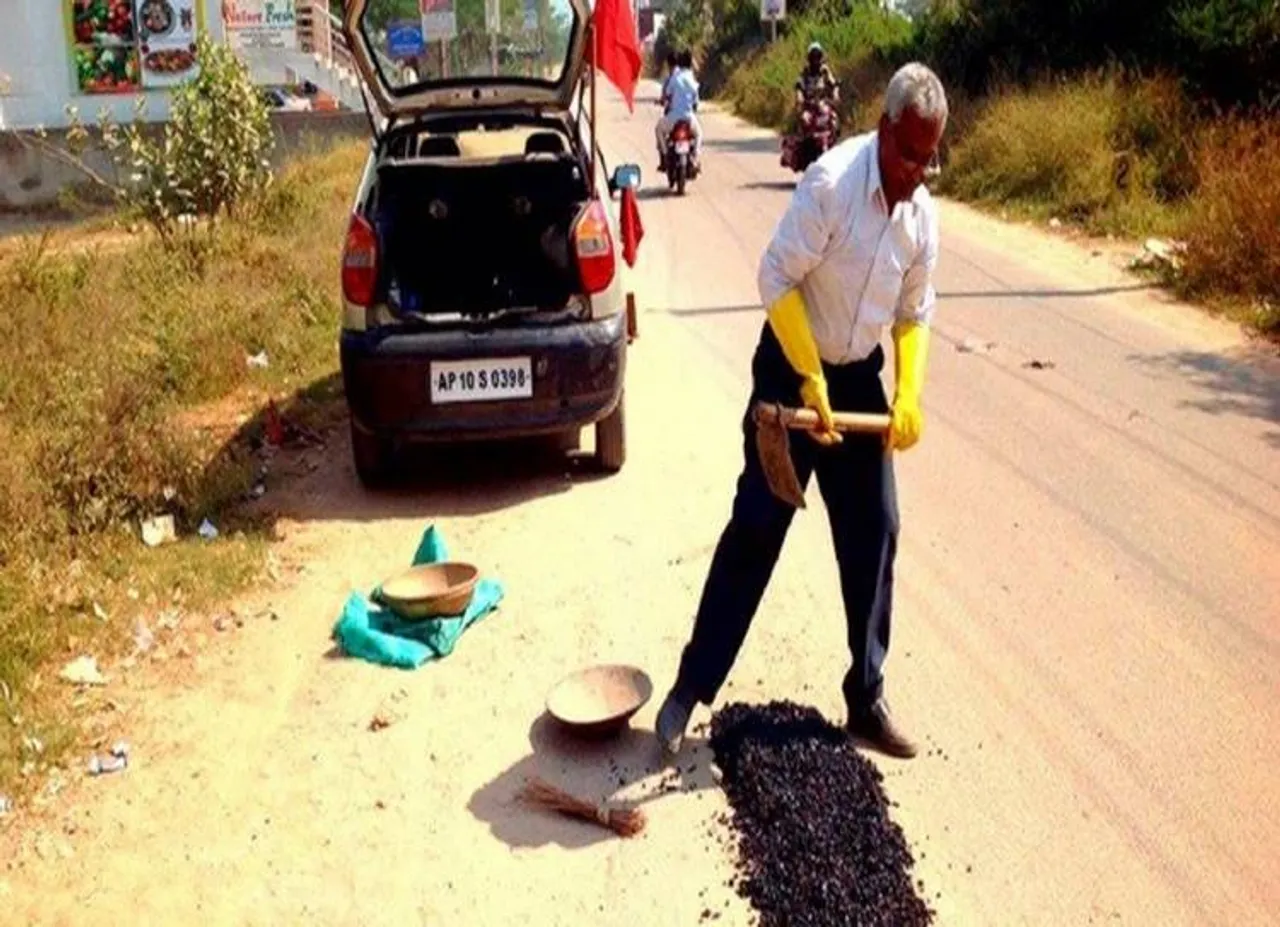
pixel 370 631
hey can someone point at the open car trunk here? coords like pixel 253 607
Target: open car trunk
pixel 478 237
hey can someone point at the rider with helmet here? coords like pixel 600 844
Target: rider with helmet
pixel 816 83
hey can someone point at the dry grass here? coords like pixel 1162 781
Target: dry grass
pixel 1232 232
pixel 103 348
pixel 1108 155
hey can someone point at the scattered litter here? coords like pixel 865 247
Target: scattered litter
pixel 143 639
pixel 389 712
pixel 207 530
pixel 33 745
pixel 169 619
pixel 221 623
pixel 6 805
pixel 99 612
pixel 1055 223
pixel 159 530
pixel 83 671
pixel 1040 364
pixel 258 361
pixel 120 749
pixel 974 346
pixel 102 765
pixel 169 494
pixel 1158 252
pixel 258 491
pixel 816 841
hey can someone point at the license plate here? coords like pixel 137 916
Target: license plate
pixel 481 380
pixel 682 147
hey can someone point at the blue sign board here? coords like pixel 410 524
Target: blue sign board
pixel 405 40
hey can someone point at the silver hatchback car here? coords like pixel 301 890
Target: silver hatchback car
pixel 481 274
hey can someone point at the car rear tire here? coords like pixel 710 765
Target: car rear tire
pixel 373 457
pixel 611 439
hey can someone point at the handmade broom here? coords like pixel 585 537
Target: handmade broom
pixel 625 822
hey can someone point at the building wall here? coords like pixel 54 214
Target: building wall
pixel 36 59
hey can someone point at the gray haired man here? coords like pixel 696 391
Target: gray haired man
pixel 854 254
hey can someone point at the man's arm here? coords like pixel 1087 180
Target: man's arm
pixel 918 299
pixel 800 239
pixel 799 243
pixel 912 317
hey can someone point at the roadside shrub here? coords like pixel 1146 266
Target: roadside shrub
pixel 211 158
pixel 1112 154
pixel 1047 147
pixel 1232 231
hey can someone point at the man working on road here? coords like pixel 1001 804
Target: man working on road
pixel 854 253
pixel 682 92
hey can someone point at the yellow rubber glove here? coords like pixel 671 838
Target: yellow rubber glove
pixel 910 351
pixel 791 325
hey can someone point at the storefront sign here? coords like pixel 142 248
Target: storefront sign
pixel 124 46
pixel 261 24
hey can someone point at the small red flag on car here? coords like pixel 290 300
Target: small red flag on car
pixel 615 46
pixel 632 227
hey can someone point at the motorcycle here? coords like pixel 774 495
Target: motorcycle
pixel 818 125
pixel 678 163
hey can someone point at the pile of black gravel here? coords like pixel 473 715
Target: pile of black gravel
pixel 816 845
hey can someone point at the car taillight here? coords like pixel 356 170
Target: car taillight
pixel 593 245
pixel 681 132
pixel 360 262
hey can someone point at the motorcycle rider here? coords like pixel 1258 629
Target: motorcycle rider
pixel 816 83
pixel 681 92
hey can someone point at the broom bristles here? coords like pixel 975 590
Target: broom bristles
pixel 626 822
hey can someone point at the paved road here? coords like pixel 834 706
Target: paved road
pixel 1086 636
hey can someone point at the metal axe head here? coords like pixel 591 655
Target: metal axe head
pixel 773 446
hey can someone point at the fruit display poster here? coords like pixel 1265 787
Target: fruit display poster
pixel 124 46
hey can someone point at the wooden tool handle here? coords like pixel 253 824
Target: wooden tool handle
pixel 808 420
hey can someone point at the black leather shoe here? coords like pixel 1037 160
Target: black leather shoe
pixel 673 719
pixel 876 730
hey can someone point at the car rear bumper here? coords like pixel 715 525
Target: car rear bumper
pixel 577 369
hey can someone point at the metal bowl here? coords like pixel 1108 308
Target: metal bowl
pixel 434 590
pixel 600 700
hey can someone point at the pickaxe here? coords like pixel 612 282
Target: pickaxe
pixel 774 445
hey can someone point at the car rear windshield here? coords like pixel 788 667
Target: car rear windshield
pixel 419 44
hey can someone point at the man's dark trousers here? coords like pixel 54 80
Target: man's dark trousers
pixel 856 480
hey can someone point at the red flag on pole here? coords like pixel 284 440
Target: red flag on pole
pixel 615 46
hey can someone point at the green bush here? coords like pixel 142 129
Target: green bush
pixel 212 156
pixel 858 43
pixel 1227 51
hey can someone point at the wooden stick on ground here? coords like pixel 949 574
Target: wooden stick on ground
pixel 624 822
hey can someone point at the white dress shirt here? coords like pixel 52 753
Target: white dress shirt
pixel 858 268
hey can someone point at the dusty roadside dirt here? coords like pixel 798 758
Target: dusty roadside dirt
pixel 1086 644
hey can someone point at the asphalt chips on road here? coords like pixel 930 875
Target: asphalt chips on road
pixel 816 843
